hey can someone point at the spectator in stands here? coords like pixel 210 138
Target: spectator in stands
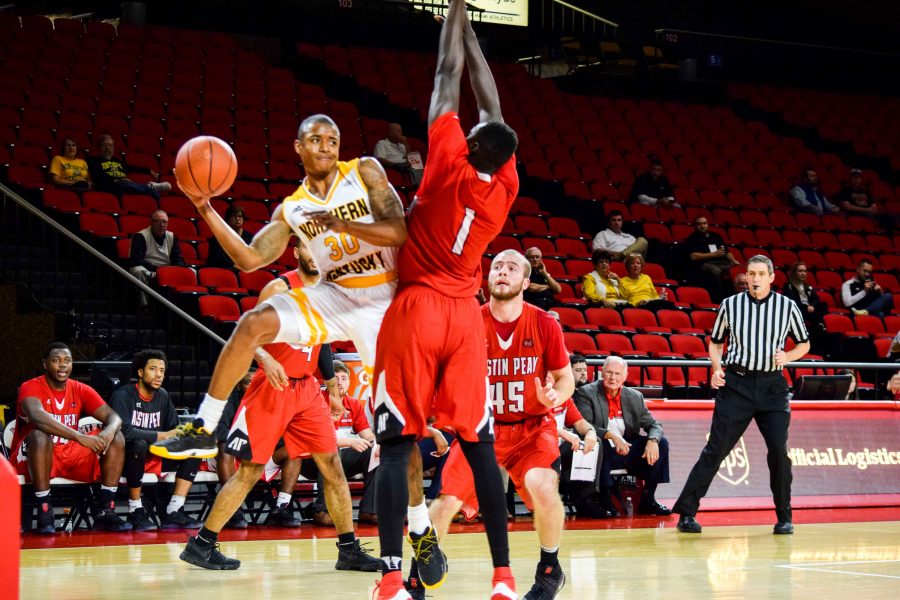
pixel 855 199
pixel 638 289
pixel 542 286
pixel 148 415
pixel 393 152
pixel 47 442
pixel 151 248
pixel 862 294
pixel 619 413
pixel 894 349
pixel 808 197
pixel 893 386
pixel 235 217
pixel 653 188
pixel 225 464
pixel 109 174
pixel 356 441
pixel 67 170
pixel 711 260
pixel 740 283
pixel 615 241
pixel 601 286
pixel 805 296
pixel 579 369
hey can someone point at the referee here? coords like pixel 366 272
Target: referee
pixel 751 386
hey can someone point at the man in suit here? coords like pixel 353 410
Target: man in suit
pixel 618 414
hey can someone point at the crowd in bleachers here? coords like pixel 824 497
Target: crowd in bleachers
pixel 664 173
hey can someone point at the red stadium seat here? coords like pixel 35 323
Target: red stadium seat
pixel 255 281
pixel 697 297
pixel 98 224
pixel 678 321
pixel 219 308
pixel 220 281
pixel 703 319
pixel 580 342
pixel 179 279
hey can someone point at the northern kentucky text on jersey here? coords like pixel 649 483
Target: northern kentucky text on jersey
pixel 353 210
pixel 370 262
pixel 512 365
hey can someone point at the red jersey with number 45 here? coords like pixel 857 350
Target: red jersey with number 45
pixel 456 214
pixel 518 352
pixel 298 361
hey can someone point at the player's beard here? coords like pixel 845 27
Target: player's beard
pixel 511 292
pixel 307 269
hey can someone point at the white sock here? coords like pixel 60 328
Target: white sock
pixel 133 505
pixel 283 499
pixel 418 518
pixel 43 494
pixel 175 503
pixel 211 411
pixel 112 489
pixel 551 550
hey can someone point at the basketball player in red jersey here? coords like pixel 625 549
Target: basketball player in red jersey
pixel 283 402
pixel 47 443
pixel 529 375
pixel 431 357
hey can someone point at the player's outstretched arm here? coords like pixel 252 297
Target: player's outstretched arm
pixel 266 246
pixel 480 77
pixel 450 62
pixel 389 228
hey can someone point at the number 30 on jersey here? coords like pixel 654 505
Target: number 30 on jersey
pixel 508 396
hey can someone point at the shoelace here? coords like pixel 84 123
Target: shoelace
pixel 425 544
pixel 188 430
pixel 364 548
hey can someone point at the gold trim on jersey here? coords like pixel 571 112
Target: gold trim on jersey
pixel 365 281
pixel 314 320
pixel 344 169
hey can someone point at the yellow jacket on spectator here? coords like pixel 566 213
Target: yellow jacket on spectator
pixel 637 290
pixel 597 289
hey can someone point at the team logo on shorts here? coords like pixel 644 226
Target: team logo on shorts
pixel 238 442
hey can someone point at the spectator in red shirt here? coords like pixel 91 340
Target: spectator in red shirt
pixel 356 441
pixel 47 442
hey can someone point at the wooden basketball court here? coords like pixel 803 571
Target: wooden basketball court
pixel 821 560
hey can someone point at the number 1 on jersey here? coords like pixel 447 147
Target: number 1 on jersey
pixel 463 232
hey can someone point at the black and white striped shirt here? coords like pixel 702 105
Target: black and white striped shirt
pixel 756 329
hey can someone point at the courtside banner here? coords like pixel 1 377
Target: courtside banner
pixel 841 456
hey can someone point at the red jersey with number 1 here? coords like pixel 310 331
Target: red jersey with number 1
pixel 298 361
pixel 456 214
pixel 518 352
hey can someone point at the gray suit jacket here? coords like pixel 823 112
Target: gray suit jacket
pixel 591 402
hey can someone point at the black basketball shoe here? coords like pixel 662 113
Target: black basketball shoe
pixel 430 559
pixel 207 556
pixel 548 581
pixel 140 520
pixel 190 441
pixel 356 558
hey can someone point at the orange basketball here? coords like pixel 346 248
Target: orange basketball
pixel 205 166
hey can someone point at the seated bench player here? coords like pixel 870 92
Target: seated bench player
pixel 148 415
pixel 47 443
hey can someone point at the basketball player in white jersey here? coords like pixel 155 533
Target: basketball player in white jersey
pixel 351 219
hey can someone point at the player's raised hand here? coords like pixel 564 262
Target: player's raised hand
pixel 546 395
pixel 198 201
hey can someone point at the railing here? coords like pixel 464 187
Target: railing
pixel 95 300
pixel 567 19
pixel 725 41
pixel 869 370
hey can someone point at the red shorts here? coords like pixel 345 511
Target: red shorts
pixel 431 360
pixel 70 460
pixel 299 414
pixel 532 444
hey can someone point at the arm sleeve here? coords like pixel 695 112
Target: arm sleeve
pixel 667 188
pixel 583 404
pixel 648 423
pixel 56 166
pixel 589 289
pixel 217 256
pixel 176 258
pixel 138 250
pixel 360 422
pixel 799 197
pixel 379 150
pixel 326 362
pixel 573 415
pixel 797 328
pixel 170 417
pixel 721 325
pixel 555 354
pixel 848 297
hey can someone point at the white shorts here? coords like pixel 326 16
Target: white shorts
pixel 329 313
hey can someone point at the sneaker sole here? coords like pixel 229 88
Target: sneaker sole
pixel 193 453
pixel 204 565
